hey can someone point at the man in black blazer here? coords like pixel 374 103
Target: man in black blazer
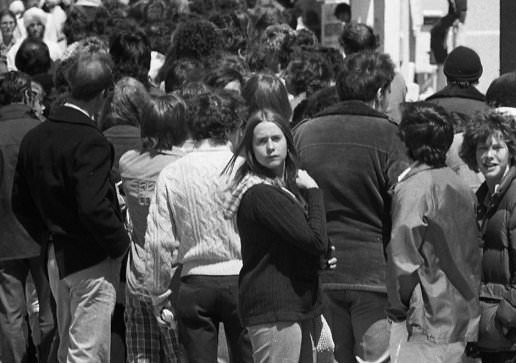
pixel 63 194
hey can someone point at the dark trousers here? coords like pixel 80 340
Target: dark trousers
pixel 13 311
pixel 202 303
pixel 358 323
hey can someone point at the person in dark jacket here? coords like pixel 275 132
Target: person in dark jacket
pixel 355 155
pixel 20 254
pixel 462 100
pixel 490 147
pixel 62 189
pixel 279 295
pixel 433 275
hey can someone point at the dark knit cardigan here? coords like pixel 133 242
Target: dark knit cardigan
pixel 281 250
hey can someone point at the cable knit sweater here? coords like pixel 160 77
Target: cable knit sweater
pixel 186 220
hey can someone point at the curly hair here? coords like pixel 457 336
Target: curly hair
pixel 195 39
pixel 233 32
pixel 307 71
pixel 362 74
pixel 182 71
pixel 212 115
pixel 427 131
pixel 278 40
pixel 14 87
pixel 480 128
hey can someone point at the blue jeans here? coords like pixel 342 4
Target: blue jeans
pixel 358 324
pixel 13 323
pixel 286 342
pixel 203 302
pixel 85 303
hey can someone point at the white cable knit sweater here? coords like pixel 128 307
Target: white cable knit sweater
pixel 186 223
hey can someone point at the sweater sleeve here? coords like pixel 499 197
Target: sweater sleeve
pixel 274 209
pixel 160 244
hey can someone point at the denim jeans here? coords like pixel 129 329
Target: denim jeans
pixel 285 342
pixel 203 302
pixel 13 311
pixel 358 324
pixel 85 302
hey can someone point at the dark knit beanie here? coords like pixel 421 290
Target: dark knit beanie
pixel 463 64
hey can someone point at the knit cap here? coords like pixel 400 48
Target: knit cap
pixel 463 64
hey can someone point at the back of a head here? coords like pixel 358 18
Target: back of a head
pixel 427 131
pixel 89 75
pixel 463 66
pixel 181 72
pixel 267 91
pixel 363 74
pixel 33 57
pixel 357 37
pixel 307 72
pixel 131 54
pixel 502 91
pixel 129 98
pixel 195 39
pixel 212 115
pixel 14 87
pixel 163 123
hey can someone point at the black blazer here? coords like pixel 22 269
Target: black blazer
pixel 63 186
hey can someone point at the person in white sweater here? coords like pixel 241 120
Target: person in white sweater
pixel 186 225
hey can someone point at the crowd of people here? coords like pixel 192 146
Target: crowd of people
pixel 202 181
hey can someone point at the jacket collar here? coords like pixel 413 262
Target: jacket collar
pixel 15 110
pixel 452 90
pixel 71 115
pixel 495 198
pixel 351 107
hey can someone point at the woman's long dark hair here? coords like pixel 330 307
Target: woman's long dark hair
pixel 251 165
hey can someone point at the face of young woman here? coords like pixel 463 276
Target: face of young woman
pixel 493 158
pixel 270 147
pixel 7 25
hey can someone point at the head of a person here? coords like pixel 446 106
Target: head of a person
pixel 357 37
pixel 427 131
pixel 267 91
pixel 195 39
pixel 366 76
pixel 462 67
pixel 15 87
pixel 33 57
pixel 7 24
pixel 343 12
pixel 305 39
pixel 131 54
pixel 502 91
pixel 129 98
pixel 90 76
pixel 224 78
pixel 212 116
pixel 181 72
pixel 268 147
pixel 17 7
pixel 307 72
pixel 163 123
pixel 489 144
pixel 35 20
pixel 277 40
pixel 29 4
pixel 155 10
pixel 233 30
